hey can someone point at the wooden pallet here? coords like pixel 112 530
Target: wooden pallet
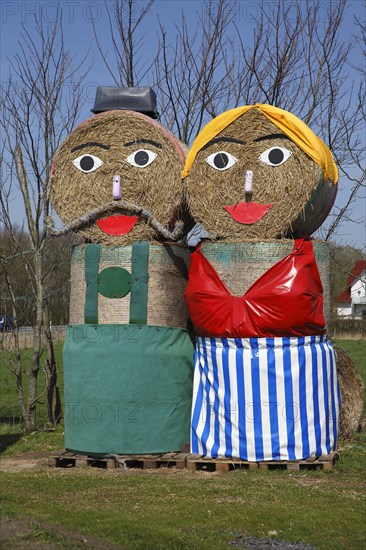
pixel 199 462
pixel 193 462
pixel 67 459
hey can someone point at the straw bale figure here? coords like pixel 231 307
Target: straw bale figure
pixel 291 189
pixel 116 181
pixel 257 177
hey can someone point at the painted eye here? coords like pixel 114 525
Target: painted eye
pixel 221 160
pixel 275 156
pixel 87 163
pixel 141 158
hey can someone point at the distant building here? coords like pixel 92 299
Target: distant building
pixel 352 302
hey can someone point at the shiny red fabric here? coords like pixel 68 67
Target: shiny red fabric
pixel 286 301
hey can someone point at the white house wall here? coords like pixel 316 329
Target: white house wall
pixel 344 311
pixel 358 287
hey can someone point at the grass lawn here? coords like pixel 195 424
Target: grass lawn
pixel 169 508
pixel 9 409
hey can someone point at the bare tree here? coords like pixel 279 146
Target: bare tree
pixel 191 73
pixel 125 21
pixel 188 73
pixel 351 121
pixel 296 57
pixel 39 106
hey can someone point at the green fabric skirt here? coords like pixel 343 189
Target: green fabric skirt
pixel 128 388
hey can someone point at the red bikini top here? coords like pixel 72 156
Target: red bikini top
pixel 286 301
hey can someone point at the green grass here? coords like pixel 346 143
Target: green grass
pixel 13 441
pixel 168 508
pixel 196 510
pixel 9 408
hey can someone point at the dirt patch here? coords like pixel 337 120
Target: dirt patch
pixel 39 461
pixel 16 534
pixel 25 461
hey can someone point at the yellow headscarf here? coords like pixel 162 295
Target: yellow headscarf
pixel 290 125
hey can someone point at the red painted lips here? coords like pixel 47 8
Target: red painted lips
pixel 117 225
pixel 248 212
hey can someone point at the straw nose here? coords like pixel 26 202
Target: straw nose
pixel 248 185
pixel 116 191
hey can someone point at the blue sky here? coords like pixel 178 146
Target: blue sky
pixel 78 16
pixel 78 19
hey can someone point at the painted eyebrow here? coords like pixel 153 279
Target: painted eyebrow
pixel 227 139
pixel 272 136
pixel 158 145
pixel 90 144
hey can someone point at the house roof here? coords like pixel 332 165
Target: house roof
pixel 344 297
pixel 357 269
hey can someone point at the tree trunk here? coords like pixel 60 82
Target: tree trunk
pixel 30 419
pixel 53 393
pixel 18 371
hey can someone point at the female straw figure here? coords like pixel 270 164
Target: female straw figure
pixel 265 382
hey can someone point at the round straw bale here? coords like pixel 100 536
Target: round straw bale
pixel 351 388
pixel 105 146
pixel 294 190
pixel 167 279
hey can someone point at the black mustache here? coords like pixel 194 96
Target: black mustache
pixel 111 208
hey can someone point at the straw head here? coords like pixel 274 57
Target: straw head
pixel 126 147
pixel 283 183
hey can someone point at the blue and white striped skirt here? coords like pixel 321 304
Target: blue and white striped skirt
pixel 265 398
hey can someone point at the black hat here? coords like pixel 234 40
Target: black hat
pixel 140 99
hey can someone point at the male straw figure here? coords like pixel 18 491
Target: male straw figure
pixel 128 356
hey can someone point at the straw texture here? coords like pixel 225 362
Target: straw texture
pixel 168 265
pixel 351 387
pixel 156 188
pixel 287 187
